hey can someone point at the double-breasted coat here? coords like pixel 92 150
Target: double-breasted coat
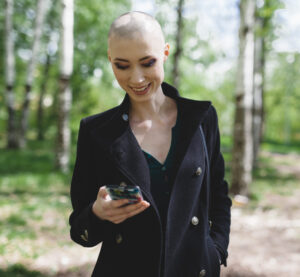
pixel 198 221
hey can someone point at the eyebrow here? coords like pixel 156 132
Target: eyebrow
pixel 124 60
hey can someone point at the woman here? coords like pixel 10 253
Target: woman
pixel 167 145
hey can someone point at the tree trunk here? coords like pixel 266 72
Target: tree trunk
pixel 243 140
pixel 65 94
pixel 178 43
pixel 40 16
pixel 12 136
pixel 288 92
pixel 259 63
pixel 40 112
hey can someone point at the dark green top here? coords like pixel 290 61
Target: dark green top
pixel 161 185
pixel 160 176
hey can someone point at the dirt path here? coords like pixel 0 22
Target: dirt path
pixel 266 242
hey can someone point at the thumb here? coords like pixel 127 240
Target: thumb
pixel 102 192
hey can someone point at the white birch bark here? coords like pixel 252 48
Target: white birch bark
pixel 178 43
pixel 259 62
pixel 65 93
pixel 243 139
pixel 42 7
pixel 12 141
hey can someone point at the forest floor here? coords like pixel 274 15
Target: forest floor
pixel 264 241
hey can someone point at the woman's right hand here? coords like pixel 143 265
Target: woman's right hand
pixel 114 210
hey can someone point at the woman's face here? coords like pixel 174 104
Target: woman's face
pixel 138 64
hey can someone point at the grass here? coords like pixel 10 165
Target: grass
pixel 283 148
pixel 266 177
pixel 35 204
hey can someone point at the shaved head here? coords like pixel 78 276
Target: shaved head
pixel 137 51
pixel 133 24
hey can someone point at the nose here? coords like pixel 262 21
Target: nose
pixel 137 76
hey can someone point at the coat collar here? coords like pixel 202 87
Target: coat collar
pixel 116 137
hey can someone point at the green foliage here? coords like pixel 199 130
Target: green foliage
pixel 2 50
pixel 195 51
pixel 93 83
pixel 282 99
pixel 265 14
pixel 92 21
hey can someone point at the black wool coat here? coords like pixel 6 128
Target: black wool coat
pixel 198 223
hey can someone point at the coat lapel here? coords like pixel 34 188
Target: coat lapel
pixel 119 143
pixel 130 160
pixel 192 113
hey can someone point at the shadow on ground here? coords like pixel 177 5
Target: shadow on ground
pixel 19 270
pixel 240 273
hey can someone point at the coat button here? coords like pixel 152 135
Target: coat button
pixel 195 220
pixel 125 116
pixel 202 273
pixel 198 171
pixel 84 238
pixel 119 238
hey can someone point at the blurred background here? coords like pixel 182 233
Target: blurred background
pixel 244 56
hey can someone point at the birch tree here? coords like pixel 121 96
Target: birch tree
pixel 243 136
pixel 178 44
pixel 65 93
pixel 259 64
pixel 264 35
pixel 12 141
pixel 41 10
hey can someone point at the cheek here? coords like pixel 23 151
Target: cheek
pixel 120 76
pixel 159 72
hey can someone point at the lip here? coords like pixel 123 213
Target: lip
pixel 138 91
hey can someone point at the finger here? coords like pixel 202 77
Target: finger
pixel 124 211
pixel 137 211
pixel 132 210
pixel 115 204
pixel 121 217
pixel 112 207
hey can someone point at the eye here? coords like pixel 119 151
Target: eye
pixel 119 66
pixel 150 63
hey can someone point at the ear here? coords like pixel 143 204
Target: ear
pixel 166 51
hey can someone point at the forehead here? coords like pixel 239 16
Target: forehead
pixel 136 47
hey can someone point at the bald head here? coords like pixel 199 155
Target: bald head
pixel 133 24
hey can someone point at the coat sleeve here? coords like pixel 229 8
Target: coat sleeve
pixel 86 228
pixel 220 203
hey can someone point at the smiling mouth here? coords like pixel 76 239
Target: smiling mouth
pixel 141 90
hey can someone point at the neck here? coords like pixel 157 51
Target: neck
pixel 150 109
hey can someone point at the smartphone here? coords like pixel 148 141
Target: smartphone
pixel 133 193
